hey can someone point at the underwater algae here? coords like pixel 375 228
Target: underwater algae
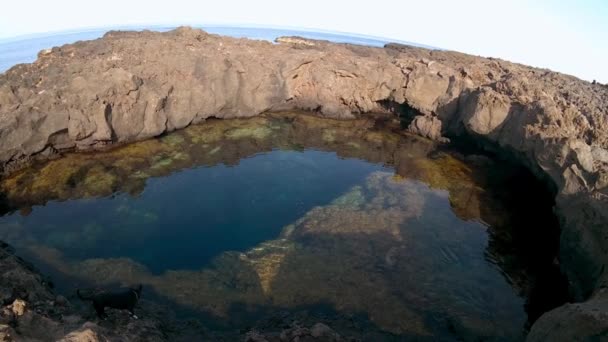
pixel 351 253
pixel 126 168
pixel 414 250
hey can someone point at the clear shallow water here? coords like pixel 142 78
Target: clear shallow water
pixel 25 49
pixel 184 220
pixel 236 219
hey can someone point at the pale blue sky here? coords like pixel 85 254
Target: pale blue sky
pixel 567 36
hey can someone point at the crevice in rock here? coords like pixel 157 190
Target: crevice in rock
pixel 403 111
pixel 466 141
pixel 536 235
pixel 5 206
pixel 107 112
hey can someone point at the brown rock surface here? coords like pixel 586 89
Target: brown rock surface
pixel 130 86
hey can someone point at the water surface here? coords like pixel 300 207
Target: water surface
pixel 236 219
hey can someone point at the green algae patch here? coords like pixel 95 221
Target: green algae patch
pixel 162 163
pixel 173 140
pixel 180 156
pixel 140 175
pixel 353 144
pixel 126 168
pixel 214 150
pixel 443 171
pixel 259 133
pixel 98 181
pixel 329 135
pixel 205 134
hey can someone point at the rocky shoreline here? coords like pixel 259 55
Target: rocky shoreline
pixel 30 311
pixel 130 86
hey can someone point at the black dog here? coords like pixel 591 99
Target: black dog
pixel 125 299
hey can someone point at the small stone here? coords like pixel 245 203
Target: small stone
pixel 600 154
pixel 321 330
pixel 602 180
pixel 6 333
pixel 61 301
pixel 6 316
pixel 444 140
pixel 18 307
pixel 83 335
pixel 426 126
pixel 254 336
pixel 45 52
pixel 71 319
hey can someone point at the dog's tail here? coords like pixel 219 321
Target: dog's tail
pixel 83 297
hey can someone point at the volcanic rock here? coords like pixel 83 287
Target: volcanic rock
pixel 130 86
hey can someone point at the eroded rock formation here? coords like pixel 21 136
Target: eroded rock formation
pixel 130 86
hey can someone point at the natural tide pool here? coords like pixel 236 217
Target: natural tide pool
pixel 236 219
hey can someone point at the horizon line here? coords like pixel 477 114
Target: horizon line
pixel 169 26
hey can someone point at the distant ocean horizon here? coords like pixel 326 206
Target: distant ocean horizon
pixel 24 49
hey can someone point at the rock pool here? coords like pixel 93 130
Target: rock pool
pixel 381 234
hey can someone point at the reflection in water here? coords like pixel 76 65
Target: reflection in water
pixel 423 242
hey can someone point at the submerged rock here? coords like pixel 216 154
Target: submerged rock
pixel 426 126
pixel 83 335
pixel 18 307
pixel 318 332
pixel 354 254
pixel 127 168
